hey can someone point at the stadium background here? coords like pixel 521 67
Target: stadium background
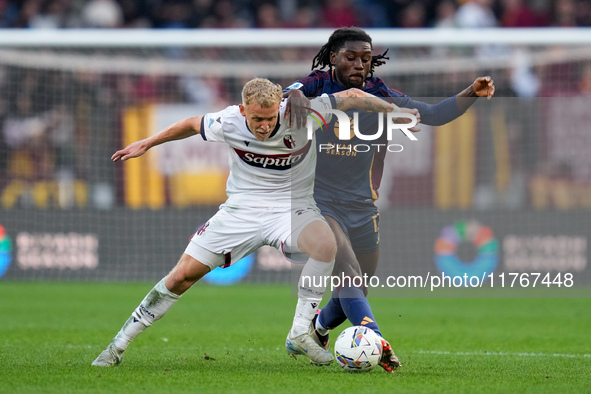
pixel 509 183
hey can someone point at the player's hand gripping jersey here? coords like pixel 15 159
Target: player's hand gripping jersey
pixel 275 172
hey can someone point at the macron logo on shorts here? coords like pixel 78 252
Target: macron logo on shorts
pixel 274 162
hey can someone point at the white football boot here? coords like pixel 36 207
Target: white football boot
pixel 304 344
pixel 109 357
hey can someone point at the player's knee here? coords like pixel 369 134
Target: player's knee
pixel 185 274
pixel 348 268
pixel 324 247
pixel 318 241
pixel 176 281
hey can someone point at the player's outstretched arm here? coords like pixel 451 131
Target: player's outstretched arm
pixel 177 131
pixel 358 99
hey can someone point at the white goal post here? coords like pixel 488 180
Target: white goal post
pixel 286 37
pixel 29 48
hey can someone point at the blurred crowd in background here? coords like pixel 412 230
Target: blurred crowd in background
pixel 292 13
pixel 58 129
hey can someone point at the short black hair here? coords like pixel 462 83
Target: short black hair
pixel 337 40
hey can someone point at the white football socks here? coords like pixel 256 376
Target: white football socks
pixel 311 286
pixel 155 305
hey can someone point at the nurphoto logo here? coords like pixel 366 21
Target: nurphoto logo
pixel 345 124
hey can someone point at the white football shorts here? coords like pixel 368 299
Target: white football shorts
pixel 233 233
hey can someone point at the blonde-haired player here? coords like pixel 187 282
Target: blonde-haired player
pixel 269 203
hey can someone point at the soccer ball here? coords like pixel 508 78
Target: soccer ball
pixel 358 349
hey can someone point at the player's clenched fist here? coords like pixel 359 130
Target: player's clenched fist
pixel 484 86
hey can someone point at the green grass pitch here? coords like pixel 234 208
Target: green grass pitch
pixel 231 339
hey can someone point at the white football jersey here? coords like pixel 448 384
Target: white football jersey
pixel 271 173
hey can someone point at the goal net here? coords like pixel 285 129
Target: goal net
pixel 508 184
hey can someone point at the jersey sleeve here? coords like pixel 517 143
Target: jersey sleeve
pixel 432 114
pixel 310 85
pixel 211 124
pixel 296 85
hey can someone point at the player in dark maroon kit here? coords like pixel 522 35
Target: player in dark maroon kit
pixel 346 185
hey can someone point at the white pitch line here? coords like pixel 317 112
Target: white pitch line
pixel 514 354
